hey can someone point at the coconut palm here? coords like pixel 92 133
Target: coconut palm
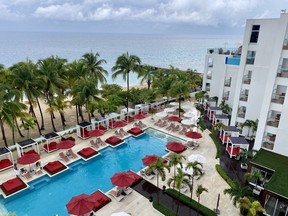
pixel 146 75
pixel 200 189
pixel 225 107
pixel 251 208
pixel 252 126
pixel 94 66
pixel 201 96
pixel 197 170
pixel 238 192
pixel 27 123
pixel 217 127
pixel 174 160
pixel 178 181
pixel 159 167
pixel 124 65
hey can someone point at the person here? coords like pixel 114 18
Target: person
pixel 38 165
pixel 16 170
pixel 23 171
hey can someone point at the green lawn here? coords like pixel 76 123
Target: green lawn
pixel 279 163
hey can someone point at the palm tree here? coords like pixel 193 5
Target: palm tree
pixel 252 208
pixel 159 167
pixel 60 104
pixel 197 170
pixel 217 127
pixel 200 189
pixel 225 107
pixel 146 73
pixel 238 192
pixel 201 96
pixel 27 123
pixel 94 66
pixel 254 176
pixel 245 154
pixel 174 160
pixel 124 65
pixel 252 126
pixel 178 181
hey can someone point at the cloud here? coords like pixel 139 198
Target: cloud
pixel 7 14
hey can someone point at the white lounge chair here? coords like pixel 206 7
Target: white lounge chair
pixel 63 157
pixel 94 144
pixel 145 174
pixel 116 195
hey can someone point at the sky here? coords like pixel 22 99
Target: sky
pixel 136 16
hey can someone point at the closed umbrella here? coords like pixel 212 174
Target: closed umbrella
pixel 96 133
pixel 81 204
pixel 122 179
pixel 193 135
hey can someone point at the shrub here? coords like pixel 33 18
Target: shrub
pixel 217 144
pixel 202 124
pixel 191 203
pixel 164 210
pixel 224 175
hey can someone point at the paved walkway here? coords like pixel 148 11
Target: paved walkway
pixel 150 191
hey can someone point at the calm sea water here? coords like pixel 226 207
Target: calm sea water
pixel 159 50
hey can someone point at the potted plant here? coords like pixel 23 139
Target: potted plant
pixel 245 154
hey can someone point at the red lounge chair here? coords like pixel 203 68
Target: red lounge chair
pixel 32 151
pixel 101 198
pixel 5 164
pixel 54 167
pixel 13 185
pixel 72 154
pixel 135 131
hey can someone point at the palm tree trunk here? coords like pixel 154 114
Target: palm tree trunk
pixel 148 84
pixel 41 114
pixel 192 185
pixel 3 133
pixel 158 187
pixel 18 129
pixel 80 112
pixel 77 116
pixel 13 134
pixel 33 113
pixel 178 203
pixel 52 121
pixel 62 120
pixel 128 94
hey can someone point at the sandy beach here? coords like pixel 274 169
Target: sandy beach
pixel 70 115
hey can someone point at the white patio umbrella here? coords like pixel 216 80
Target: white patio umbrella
pixel 186 106
pixel 187 122
pixel 188 115
pixel 196 157
pixel 169 109
pixel 174 104
pixel 161 114
pixel 120 214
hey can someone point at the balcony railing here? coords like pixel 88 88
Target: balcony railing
pixel 227 83
pixel 268 145
pixel 224 51
pixel 209 76
pixel 273 122
pixel 278 98
pixel 241 114
pixel 283 72
pixel 285 44
pixel 243 97
pixel 246 80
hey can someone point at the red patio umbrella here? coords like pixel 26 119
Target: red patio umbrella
pixel 81 204
pixel 119 124
pixel 66 144
pixel 175 147
pixel 149 159
pixel 122 179
pixel 96 133
pixel 28 159
pixel 139 116
pixel 193 135
pixel 174 118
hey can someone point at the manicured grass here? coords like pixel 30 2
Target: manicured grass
pixel 278 163
pixel 217 144
pixel 192 203
pixel 223 174
pixel 164 210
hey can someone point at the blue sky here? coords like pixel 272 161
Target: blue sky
pixel 135 16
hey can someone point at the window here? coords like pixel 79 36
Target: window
pixel 226 95
pixel 227 82
pixel 244 95
pixel 254 33
pixel 241 112
pixel 210 62
pixel 247 77
pixel 250 57
pixel 207 86
pixel 209 74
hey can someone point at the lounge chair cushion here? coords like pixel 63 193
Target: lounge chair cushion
pixel 51 146
pixel 12 186
pixel 101 127
pixel 236 151
pixel 5 163
pixel 54 167
pixel 128 119
pixel 135 131
pixel 87 152
pixel 113 140
pixel 102 200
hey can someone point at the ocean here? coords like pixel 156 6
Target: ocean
pixel 181 51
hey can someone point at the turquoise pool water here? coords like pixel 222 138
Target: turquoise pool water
pixel 48 196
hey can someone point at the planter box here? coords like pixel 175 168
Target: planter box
pixel 244 166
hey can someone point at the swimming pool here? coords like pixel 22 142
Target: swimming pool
pixel 48 196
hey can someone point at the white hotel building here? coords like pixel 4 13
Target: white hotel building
pixel 254 80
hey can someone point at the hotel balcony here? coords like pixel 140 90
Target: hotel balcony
pixel 285 44
pixel 243 97
pixel 283 72
pixel 274 119
pixel 209 76
pixel 227 83
pixel 207 88
pixel 224 51
pixel 246 80
pixel 268 144
pixel 278 98
pixel 225 98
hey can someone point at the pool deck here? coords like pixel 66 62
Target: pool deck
pixel 137 204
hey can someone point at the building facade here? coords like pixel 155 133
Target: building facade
pixel 253 80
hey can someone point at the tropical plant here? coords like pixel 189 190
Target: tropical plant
pixel 159 167
pixel 146 74
pixel 110 89
pixel 124 65
pixel 27 123
pixel 252 126
pixel 251 208
pixel 94 67
pixel 217 127
pixel 200 189
pixel 237 192
pixel 174 160
pixel 254 176
pixel 197 170
pixel 201 96
pixel 178 181
pixel 245 154
pixel 225 107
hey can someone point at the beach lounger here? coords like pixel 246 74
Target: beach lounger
pixel 100 142
pixel 122 132
pixel 141 124
pixel 126 190
pixel 118 134
pixel 183 131
pixel 158 122
pixel 191 145
pixel 72 154
pixel 145 174
pixel 116 195
pixel 94 144
pixel 27 175
pixel 63 157
pixel 176 128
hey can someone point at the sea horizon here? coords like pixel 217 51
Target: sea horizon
pixel 183 51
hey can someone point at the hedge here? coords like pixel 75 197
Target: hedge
pixel 191 203
pixel 217 144
pixel 164 210
pixel 223 174
pixel 202 124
